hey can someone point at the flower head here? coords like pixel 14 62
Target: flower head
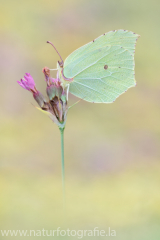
pixel 28 83
pixel 56 105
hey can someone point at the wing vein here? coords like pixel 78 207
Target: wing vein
pixel 92 89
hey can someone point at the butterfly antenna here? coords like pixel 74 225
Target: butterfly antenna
pixel 57 52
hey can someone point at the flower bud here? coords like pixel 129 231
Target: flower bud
pixel 64 96
pixel 39 99
pixel 54 91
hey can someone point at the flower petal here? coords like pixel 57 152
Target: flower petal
pixel 27 83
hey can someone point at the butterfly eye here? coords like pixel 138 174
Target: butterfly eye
pixel 60 63
pixel 105 67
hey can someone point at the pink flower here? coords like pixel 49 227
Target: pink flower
pixel 28 83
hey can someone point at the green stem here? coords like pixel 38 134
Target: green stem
pixel 62 162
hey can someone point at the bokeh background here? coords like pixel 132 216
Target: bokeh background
pixel 112 151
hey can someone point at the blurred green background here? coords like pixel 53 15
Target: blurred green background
pixel 112 151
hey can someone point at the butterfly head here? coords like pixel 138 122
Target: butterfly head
pixel 61 64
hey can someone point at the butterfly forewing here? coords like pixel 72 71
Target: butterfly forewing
pixel 102 69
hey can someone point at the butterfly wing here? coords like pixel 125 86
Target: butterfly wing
pixel 104 68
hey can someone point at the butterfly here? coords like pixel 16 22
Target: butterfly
pixel 103 69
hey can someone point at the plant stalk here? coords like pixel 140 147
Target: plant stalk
pixel 62 163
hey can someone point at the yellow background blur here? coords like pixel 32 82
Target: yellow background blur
pixel 112 151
